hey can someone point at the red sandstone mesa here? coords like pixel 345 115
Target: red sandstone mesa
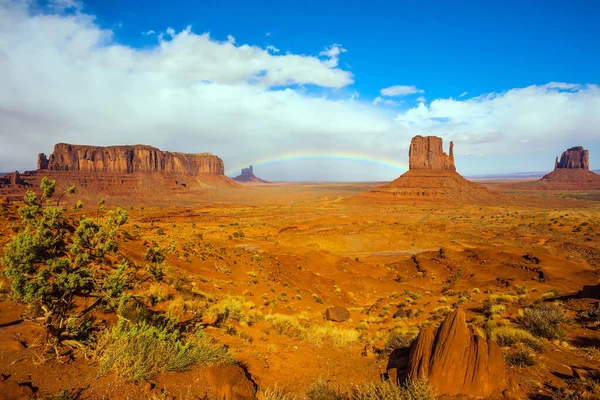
pixel 128 159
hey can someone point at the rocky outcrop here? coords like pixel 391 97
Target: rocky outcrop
pixel 573 158
pixel 13 179
pixel 457 361
pixel 128 159
pixel 426 152
pixel 247 175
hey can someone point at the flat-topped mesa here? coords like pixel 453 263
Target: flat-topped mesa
pixel 573 158
pixel 129 159
pixel 426 152
pixel 247 175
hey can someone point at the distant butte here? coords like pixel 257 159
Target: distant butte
pixel 431 174
pixel 247 176
pixel 571 172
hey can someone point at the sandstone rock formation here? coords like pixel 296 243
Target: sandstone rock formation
pixel 128 159
pixel 575 157
pixel 247 175
pixel 456 361
pixel 337 314
pixel 571 172
pixel 13 179
pixel 229 382
pixel 426 152
pixel 432 174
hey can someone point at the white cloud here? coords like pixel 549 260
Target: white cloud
pixel 148 33
pixel 552 116
pixel 400 91
pixel 387 102
pixel 463 94
pixel 421 99
pixel 267 34
pixel 273 49
pixel 230 39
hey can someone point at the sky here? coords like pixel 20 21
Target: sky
pixel 303 90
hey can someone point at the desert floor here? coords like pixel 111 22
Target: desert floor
pixel 297 249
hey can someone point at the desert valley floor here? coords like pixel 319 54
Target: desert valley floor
pixel 284 253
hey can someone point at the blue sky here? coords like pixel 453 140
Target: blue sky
pixel 444 47
pixel 512 83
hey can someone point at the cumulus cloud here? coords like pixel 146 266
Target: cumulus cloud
pixel 387 102
pixel 398 90
pixel 421 99
pixel 550 117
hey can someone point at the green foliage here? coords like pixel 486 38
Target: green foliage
pixel 139 352
pixel 156 256
pixel 54 265
pixel 545 320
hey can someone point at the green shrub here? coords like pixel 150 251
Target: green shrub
pixel 55 264
pixel 545 320
pixel 137 353
pixel 509 336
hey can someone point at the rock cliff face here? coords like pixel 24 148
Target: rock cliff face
pixel 456 361
pixel 128 159
pixel 426 152
pixel 573 158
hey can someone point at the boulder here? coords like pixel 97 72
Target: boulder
pixel 400 313
pixel 229 382
pixel 11 390
pixel 337 314
pixel 457 361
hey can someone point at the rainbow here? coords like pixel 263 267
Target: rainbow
pixel 378 160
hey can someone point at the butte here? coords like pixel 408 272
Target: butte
pixel 431 175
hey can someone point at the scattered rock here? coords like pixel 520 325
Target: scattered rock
pixel 410 313
pixel 397 365
pixel 11 390
pixel 455 360
pixel 590 292
pixel 229 382
pixel 400 313
pixel 337 314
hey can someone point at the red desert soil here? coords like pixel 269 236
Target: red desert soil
pixel 304 248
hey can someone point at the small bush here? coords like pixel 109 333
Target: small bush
pixel 545 320
pixel 273 394
pixel 508 336
pixel 398 341
pixel 322 391
pixel 137 353
pixel 520 358
pixel 386 390
pixel 228 309
pixel 497 309
pixel 337 336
